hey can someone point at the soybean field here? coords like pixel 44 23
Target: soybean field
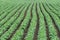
pixel 29 19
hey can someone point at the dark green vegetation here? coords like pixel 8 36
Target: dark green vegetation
pixel 29 20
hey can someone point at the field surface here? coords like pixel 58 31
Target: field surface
pixel 29 19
